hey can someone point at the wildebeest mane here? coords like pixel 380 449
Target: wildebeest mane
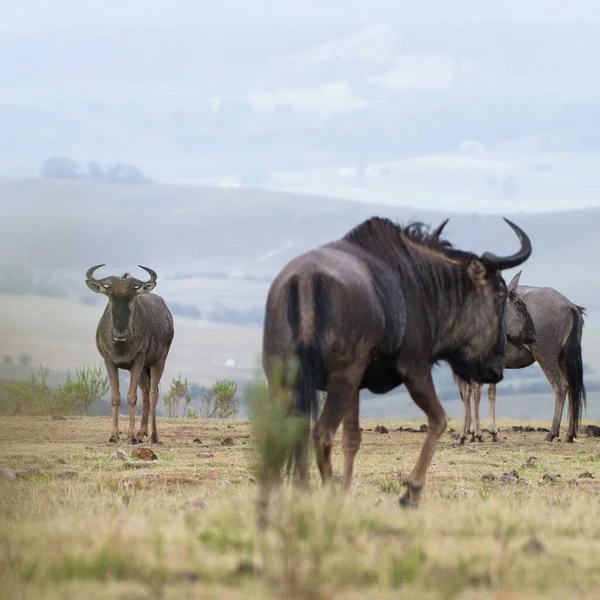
pixel 401 257
pixel 386 239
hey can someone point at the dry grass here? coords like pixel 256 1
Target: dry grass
pixel 190 532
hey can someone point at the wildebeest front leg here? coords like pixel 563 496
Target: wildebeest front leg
pixel 145 387
pixel 476 398
pixel 420 386
pixel 492 401
pixel 155 374
pixel 135 374
pixel 115 399
pixel 465 395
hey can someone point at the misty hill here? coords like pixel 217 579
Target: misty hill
pixel 224 245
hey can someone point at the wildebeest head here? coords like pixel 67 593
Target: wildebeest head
pixel 479 347
pixel 122 292
pixel 519 324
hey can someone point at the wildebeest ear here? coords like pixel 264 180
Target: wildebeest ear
pixel 145 288
pixel 514 282
pixel 97 287
pixel 476 270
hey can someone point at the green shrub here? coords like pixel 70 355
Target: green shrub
pixel 178 392
pixel 220 402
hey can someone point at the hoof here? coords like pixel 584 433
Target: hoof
pixel 133 440
pixel 494 437
pixel 141 435
pixel 549 436
pixel 479 438
pixel 113 439
pixel 154 438
pixel 406 502
pixel 412 496
pixel 462 440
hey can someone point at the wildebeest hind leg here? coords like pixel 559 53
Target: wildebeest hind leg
pixel 420 386
pixel 342 396
pixel 155 374
pixel 145 387
pixel 560 388
pixel 350 439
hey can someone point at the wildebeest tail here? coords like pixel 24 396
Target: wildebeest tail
pixel 577 393
pixel 308 309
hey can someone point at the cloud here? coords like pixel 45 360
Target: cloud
pixel 371 44
pixel 326 99
pixel 424 71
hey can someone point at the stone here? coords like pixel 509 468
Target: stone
pixel 197 441
pixel 199 503
pixel 533 546
pixel 227 441
pixel 119 455
pixel 144 454
pixel 464 492
pixel 27 472
pixel 592 431
pixel 586 475
pixel 9 473
pixel 381 429
pixel 205 455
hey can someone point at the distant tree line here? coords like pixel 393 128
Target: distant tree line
pixel 61 167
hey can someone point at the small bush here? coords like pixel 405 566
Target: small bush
pixel 77 394
pixel 34 397
pixel 220 402
pixel 178 393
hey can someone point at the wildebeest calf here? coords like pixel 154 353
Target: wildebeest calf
pixel 135 333
pixel 375 309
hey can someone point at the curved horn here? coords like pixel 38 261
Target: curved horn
pixel 89 274
pixel 498 263
pixel 438 230
pixel 153 276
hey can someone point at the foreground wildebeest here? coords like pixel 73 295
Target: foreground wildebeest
pixel 558 327
pixel 375 309
pixel 135 333
pixel 520 331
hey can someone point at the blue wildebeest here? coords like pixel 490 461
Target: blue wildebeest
pixel 375 309
pixel 135 333
pixel 520 331
pixel 558 328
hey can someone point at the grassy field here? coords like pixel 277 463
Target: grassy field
pixel 87 526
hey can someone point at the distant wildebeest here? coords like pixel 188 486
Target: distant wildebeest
pixel 135 333
pixel 520 331
pixel 375 309
pixel 558 327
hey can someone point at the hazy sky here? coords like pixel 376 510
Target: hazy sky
pixel 486 106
